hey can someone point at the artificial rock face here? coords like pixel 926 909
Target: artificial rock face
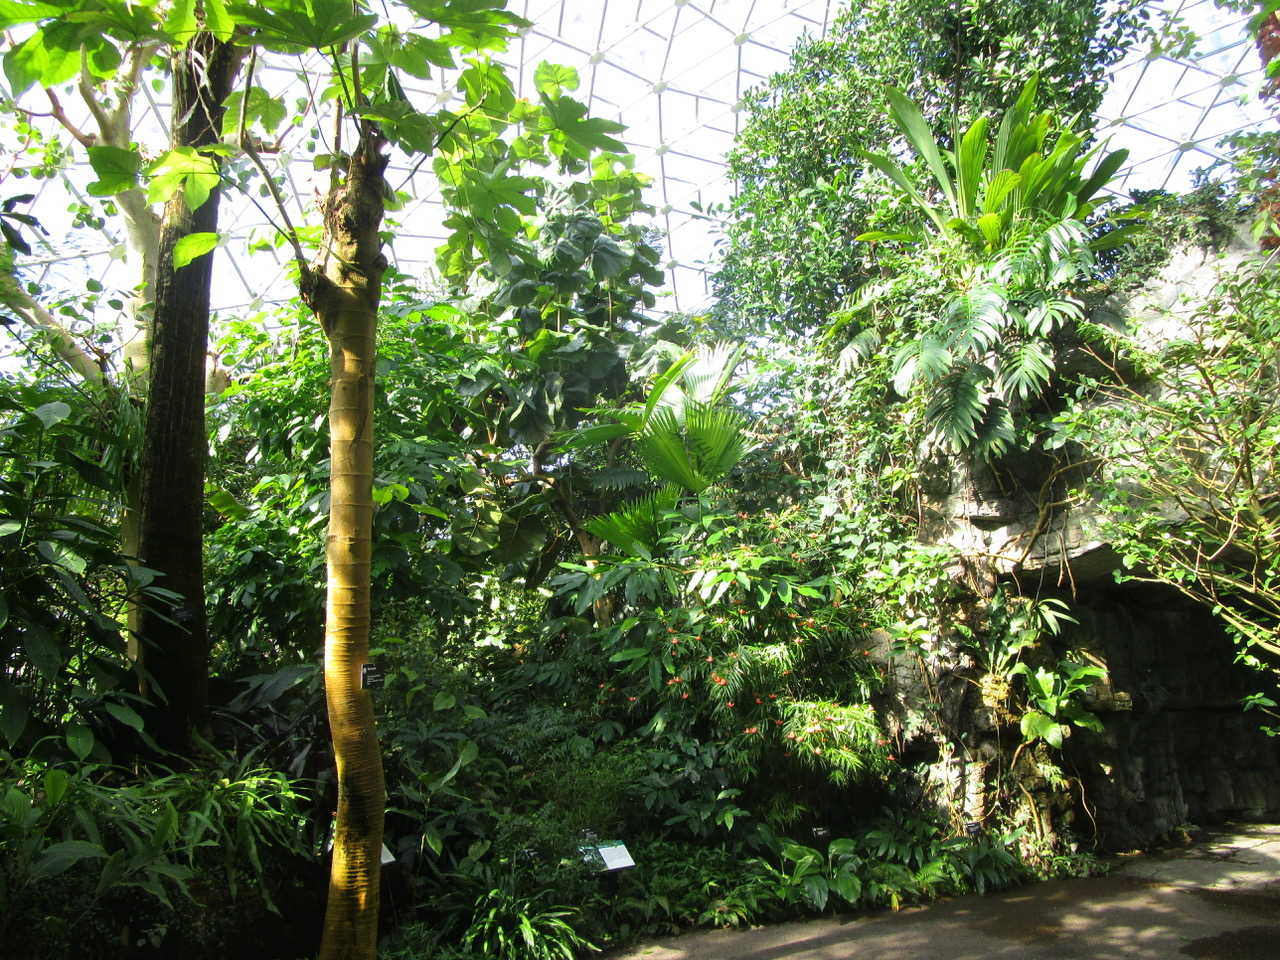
pixel 1177 748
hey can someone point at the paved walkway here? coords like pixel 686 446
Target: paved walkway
pixel 1216 900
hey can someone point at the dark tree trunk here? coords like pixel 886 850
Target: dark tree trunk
pixel 175 648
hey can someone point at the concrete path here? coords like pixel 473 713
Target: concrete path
pixel 1218 899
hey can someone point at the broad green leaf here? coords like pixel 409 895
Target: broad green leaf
pixel 48 57
pixel 1038 726
pixel 15 12
pixel 9 526
pixel 60 554
pixel 183 168
pixel 42 650
pixel 405 125
pixel 228 506
pixel 477 24
pixel 131 22
pixel 444 701
pixel 895 173
pixel 126 715
pixel 13 714
pixel 181 22
pixel 608 259
pixel 552 79
pixel 55 785
pixel 970 162
pixel 264 110
pixel 217 20
pixel 294 26
pixel 60 856
pixel 1102 175
pixel 582 135
pixel 998 188
pixel 79 740
pixel 633 653
pixel 51 413
pixel 191 246
pixel 467 752
pixel 989 226
pixel 921 138
pixel 117 170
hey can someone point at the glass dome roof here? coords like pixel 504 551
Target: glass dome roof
pixel 675 72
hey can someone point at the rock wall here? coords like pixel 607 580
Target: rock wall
pixel 1177 748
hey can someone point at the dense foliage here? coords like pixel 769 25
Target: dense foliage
pixel 627 583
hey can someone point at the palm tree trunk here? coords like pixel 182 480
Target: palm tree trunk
pixel 175 648
pixel 343 288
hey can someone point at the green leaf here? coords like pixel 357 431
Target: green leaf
pixel 13 714
pixel 183 168
pixel 467 751
pixel 48 57
pixel 55 786
pixel 61 856
pixel 79 740
pixel 191 246
pixel 608 260
pixel 117 170
pixel 181 22
pixel 228 506
pixel 294 26
pixel 1038 726
pixel 584 135
pixel 126 715
pixel 266 111
pixel 16 12
pixel 444 701
pixel 51 413
pixel 918 134
pixel 552 79
pixel 61 555
pixel 217 20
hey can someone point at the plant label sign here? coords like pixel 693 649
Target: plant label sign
pixel 608 855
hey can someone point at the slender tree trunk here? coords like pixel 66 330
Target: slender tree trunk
pixel 175 648
pixel 343 288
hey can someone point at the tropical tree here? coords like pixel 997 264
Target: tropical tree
pixel 1008 241
pixel 802 178
pixel 1178 445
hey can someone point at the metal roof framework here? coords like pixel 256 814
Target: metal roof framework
pixel 675 71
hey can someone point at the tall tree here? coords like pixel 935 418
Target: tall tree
pixel 175 647
pixel 802 190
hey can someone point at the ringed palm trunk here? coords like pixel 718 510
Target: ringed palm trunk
pixel 343 289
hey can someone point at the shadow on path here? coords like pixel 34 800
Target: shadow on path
pixel 1216 900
